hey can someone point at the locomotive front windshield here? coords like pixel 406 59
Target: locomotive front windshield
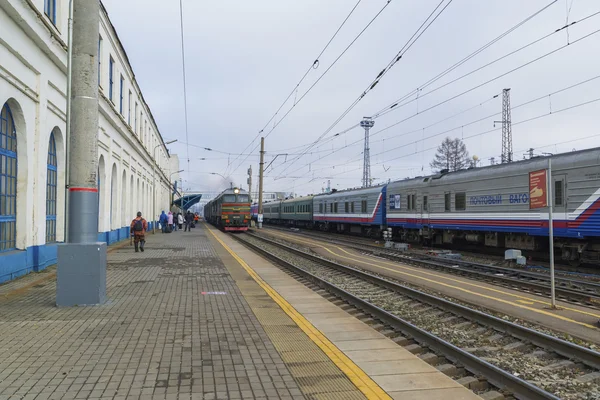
pixel 232 198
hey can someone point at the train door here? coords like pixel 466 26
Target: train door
pixel 424 211
pixel 559 201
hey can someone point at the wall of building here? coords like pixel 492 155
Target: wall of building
pixel 131 154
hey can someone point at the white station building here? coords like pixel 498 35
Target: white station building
pixel 33 86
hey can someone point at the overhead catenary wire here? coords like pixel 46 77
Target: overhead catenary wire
pixel 464 60
pixel 412 131
pixel 486 82
pixel 314 64
pixel 487 117
pixel 487 132
pixel 396 106
pixel 411 41
pixel 458 64
pixel 184 86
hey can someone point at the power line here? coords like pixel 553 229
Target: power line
pixel 464 60
pixel 458 64
pixel 496 129
pixel 184 86
pixel 492 80
pixel 406 133
pixel 539 98
pixel 314 65
pixel 397 105
pixel 424 27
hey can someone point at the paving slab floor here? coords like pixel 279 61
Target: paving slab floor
pixel 175 326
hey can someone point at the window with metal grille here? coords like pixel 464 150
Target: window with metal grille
pixel 50 10
pixel 559 198
pixel 447 202
pixel 363 206
pixel 460 201
pixel 135 118
pixel 122 82
pixel 8 180
pixel 111 70
pixel 100 61
pixel 129 114
pixel 51 184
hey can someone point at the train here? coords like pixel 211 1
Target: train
pixel 230 210
pixel 483 206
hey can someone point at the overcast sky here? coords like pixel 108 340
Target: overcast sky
pixel 243 58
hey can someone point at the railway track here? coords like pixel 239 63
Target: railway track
pixel 570 290
pixel 520 361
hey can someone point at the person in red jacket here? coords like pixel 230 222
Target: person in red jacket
pixel 138 229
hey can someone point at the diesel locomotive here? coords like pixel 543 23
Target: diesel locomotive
pixel 484 206
pixel 230 210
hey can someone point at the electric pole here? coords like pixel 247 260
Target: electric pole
pixel 260 181
pixel 507 147
pixel 250 183
pixel 81 273
pixel 367 124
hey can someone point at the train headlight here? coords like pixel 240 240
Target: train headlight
pixel 236 190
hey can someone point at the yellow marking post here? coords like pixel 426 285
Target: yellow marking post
pixel 356 375
pixel 398 267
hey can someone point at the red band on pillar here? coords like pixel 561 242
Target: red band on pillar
pixel 75 189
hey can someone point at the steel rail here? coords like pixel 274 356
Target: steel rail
pixel 583 296
pixel 520 388
pixel 566 349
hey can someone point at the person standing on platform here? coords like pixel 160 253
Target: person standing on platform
pixel 180 220
pixel 189 218
pixel 138 229
pixel 170 221
pixel 163 222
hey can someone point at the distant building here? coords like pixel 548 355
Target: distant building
pixel 269 196
pixel 33 86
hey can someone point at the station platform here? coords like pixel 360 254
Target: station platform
pixel 198 316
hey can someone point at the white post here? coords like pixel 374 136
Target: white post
pixel 551 234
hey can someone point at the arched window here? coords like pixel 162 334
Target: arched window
pixel 51 185
pixel 8 180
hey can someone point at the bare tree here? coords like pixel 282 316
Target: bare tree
pixel 452 155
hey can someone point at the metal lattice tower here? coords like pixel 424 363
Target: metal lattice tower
pixel 367 123
pixel 507 146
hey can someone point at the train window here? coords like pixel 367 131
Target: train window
pixel 411 202
pixel 243 198
pixel 335 207
pixel 363 206
pixel 321 208
pixel 352 207
pixel 424 203
pixel 559 198
pixel 346 207
pixel 447 205
pixel 229 198
pixel 460 201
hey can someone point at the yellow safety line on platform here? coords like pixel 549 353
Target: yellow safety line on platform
pixel 398 266
pixel 357 376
